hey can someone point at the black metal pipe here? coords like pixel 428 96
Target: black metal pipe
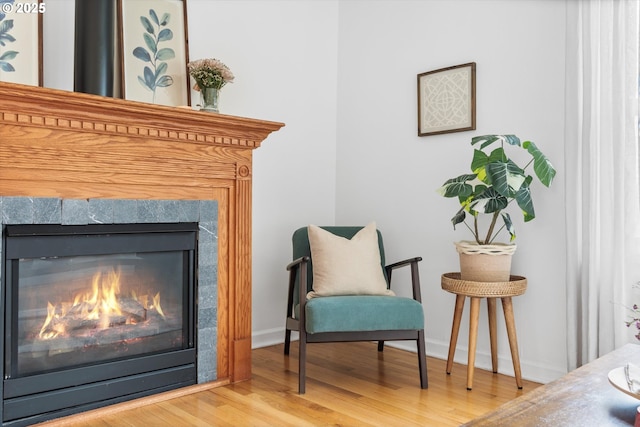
pixel 94 63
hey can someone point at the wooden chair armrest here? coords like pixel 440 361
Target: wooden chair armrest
pixel 403 263
pixel 415 275
pixel 293 267
pixel 296 262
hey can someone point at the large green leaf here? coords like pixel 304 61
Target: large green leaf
pixel 468 202
pixel 498 155
pixel 481 161
pixel 489 201
pixel 458 218
pixel 541 165
pixel 523 198
pixel 505 177
pixel 478 163
pixel 457 187
pixel 487 140
pixel 509 225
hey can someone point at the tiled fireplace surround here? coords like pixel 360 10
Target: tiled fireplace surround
pixel 78 158
pixel 39 210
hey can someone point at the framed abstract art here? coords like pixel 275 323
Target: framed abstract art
pixel 447 100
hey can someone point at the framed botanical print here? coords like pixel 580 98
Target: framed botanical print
pixel 154 50
pixel 447 100
pixel 21 42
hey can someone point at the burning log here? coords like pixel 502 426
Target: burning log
pixel 100 309
pixel 86 315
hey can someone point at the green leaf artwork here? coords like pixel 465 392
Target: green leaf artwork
pixel 5 56
pixel 154 73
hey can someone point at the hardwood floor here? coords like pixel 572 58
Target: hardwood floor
pixel 348 384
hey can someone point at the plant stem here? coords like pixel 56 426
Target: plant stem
pixel 470 229
pixel 491 227
pixel 475 232
pixel 496 234
pixel 527 165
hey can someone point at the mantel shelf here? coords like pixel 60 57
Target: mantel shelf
pixel 50 107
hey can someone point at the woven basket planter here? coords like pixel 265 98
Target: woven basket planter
pixel 485 263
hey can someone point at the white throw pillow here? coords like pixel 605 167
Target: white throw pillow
pixel 346 267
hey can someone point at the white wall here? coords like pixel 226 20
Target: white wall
pixel 283 54
pixel 387 173
pixel 341 74
pixel 58 40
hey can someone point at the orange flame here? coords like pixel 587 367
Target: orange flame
pixel 100 304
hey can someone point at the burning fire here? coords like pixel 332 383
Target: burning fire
pixel 101 308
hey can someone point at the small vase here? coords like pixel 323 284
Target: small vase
pixel 209 97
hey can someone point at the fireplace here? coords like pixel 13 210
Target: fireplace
pixel 96 314
pixel 106 158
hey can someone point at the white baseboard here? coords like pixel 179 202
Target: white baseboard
pixel 270 337
pixel 530 370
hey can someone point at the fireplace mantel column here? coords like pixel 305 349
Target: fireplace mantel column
pixel 242 344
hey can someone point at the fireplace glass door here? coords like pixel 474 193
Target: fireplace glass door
pixel 76 299
pixel 84 309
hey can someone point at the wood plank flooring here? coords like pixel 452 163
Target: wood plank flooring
pixel 348 384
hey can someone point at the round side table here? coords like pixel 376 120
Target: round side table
pixel 517 285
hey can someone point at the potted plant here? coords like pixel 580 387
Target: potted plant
pixel 495 182
pixel 210 75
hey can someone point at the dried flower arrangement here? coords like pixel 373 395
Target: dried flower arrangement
pixel 209 73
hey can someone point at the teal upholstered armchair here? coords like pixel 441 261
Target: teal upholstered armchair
pixel 358 317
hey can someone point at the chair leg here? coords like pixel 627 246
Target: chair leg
pixel 302 356
pixel 380 345
pixel 422 360
pixel 287 341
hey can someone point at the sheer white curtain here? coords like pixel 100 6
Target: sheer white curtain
pixel 601 166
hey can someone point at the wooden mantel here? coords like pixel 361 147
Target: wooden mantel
pixel 76 146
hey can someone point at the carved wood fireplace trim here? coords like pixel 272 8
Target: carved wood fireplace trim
pixel 77 146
